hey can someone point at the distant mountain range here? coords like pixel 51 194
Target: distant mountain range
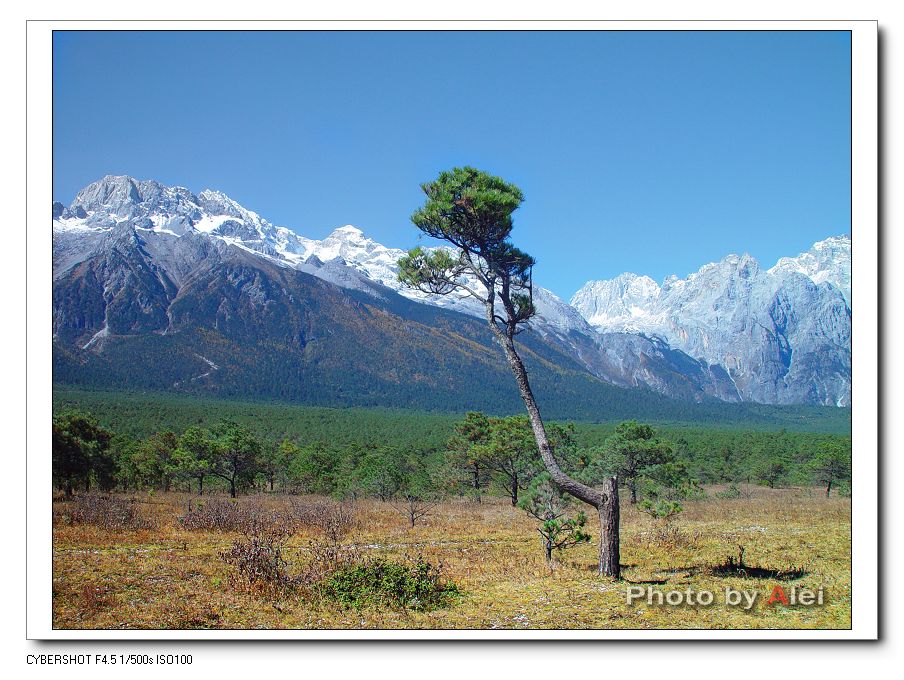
pixel 159 288
pixel 782 334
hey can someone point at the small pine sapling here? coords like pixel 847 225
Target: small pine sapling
pixel 663 510
pixel 656 502
pixel 549 505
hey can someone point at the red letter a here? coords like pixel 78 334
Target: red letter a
pixel 778 595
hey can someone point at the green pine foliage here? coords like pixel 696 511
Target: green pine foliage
pixel 550 507
pixel 135 441
pixel 81 452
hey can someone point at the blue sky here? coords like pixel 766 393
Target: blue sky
pixel 651 152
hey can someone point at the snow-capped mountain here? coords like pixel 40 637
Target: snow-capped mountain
pixel 783 334
pixel 828 261
pixel 621 304
pixel 134 257
pixel 148 206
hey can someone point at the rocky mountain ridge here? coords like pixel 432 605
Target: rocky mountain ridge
pixel 128 255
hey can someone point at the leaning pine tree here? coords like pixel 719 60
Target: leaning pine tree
pixel 472 210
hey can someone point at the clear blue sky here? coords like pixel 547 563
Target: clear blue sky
pixel 651 152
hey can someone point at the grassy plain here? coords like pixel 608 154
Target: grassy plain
pixel 167 577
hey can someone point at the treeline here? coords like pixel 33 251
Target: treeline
pixel 724 456
pixel 391 456
pixel 227 456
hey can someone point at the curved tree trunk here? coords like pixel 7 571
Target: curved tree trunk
pixel 606 502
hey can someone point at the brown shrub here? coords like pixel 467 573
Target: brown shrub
pixel 251 518
pixel 107 512
pixel 331 519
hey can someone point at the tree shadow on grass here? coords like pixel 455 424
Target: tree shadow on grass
pixel 736 568
pixel 593 566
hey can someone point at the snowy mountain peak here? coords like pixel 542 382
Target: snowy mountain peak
pixel 746 322
pixel 348 231
pixel 108 190
pixel 630 302
pixel 828 261
pixel 218 203
pixel 842 242
pixel 782 334
pixel 619 302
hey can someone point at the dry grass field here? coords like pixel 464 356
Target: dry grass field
pixel 168 577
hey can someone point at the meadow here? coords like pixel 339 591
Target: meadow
pixel 157 573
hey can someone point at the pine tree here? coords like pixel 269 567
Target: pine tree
pixel 472 211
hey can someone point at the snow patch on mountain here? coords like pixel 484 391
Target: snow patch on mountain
pixel 152 207
pixel 731 329
pixel 783 334
pixel 622 304
pixel 828 261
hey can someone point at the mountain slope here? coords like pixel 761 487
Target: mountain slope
pixel 783 335
pixel 160 288
pixel 128 256
pixel 240 326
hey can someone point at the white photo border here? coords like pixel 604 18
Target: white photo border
pixel 865 331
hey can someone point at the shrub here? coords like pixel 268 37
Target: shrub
pixel 663 512
pixel 418 585
pixel 260 564
pixel 212 514
pixel 258 557
pixel 249 518
pixel 546 503
pixel 108 512
pixel 660 509
pixel 331 519
pixel 732 492
pixel 326 559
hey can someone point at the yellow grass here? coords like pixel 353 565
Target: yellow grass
pixel 171 578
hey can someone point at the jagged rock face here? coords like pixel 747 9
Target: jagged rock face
pixel 617 303
pixel 783 335
pixel 632 360
pixel 133 258
pixel 828 261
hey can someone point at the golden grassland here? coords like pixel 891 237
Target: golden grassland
pixel 171 578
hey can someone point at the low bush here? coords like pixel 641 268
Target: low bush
pixel 108 512
pixel 259 556
pixel 334 570
pixel 250 518
pixel 332 520
pixel 730 493
pixel 212 514
pixel 417 585
pixel 260 565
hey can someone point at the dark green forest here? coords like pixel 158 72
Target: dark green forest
pixel 384 452
pixel 140 413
